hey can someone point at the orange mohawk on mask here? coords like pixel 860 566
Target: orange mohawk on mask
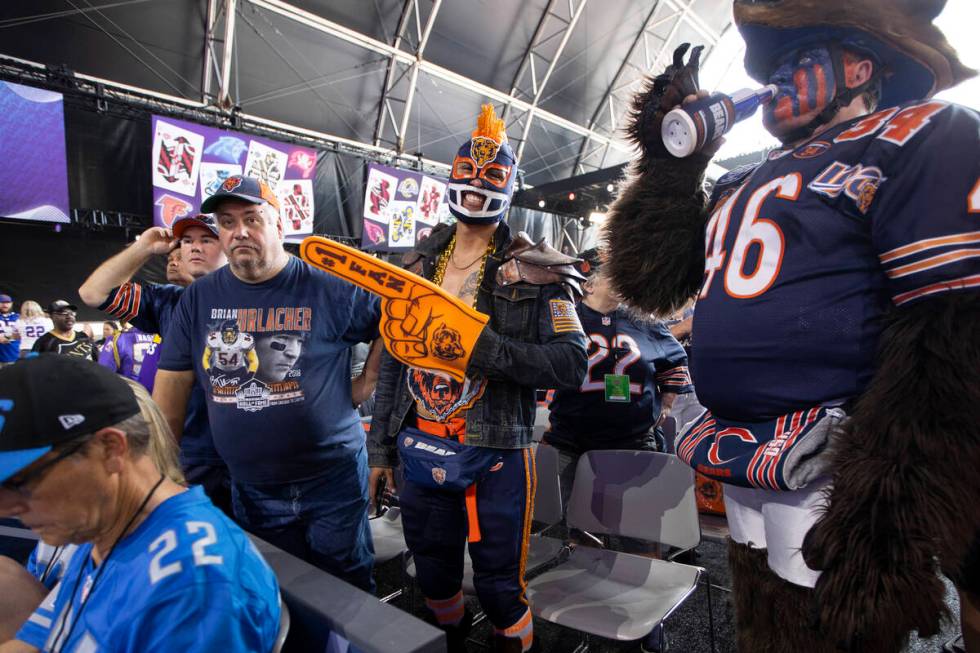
pixel 488 125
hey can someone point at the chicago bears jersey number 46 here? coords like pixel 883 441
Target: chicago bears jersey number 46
pixel 806 250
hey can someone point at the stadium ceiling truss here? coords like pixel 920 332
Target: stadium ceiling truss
pixel 648 51
pixel 521 105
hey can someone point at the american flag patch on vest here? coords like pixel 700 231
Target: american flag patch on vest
pixel 563 316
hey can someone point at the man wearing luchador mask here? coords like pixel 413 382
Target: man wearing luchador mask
pixel 465 444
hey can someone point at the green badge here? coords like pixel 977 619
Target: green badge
pixel 617 387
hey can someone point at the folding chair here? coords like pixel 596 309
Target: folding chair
pixel 542 419
pixel 623 596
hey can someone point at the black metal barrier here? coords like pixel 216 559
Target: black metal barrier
pixel 319 605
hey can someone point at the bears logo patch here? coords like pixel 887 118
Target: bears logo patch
pixel 439 475
pixel 231 183
pixel 814 149
pixel 484 150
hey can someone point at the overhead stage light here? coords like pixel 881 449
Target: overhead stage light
pixel 610 188
pixel 571 197
pixel 540 204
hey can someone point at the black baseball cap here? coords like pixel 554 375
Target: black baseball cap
pixel 199 220
pixel 248 189
pixel 49 400
pixel 60 305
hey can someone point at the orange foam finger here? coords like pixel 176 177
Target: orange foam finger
pixel 421 324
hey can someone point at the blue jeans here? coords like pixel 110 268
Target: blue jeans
pixel 323 520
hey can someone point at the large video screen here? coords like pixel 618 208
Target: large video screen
pixel 401 208
pixel 33 168
pixel 190 161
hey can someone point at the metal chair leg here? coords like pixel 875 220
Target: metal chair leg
pixel 711 612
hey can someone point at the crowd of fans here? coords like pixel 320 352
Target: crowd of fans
pixel 297 478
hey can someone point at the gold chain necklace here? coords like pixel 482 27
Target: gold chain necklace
pixel 443 261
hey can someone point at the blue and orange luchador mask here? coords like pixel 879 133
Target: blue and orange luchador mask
pixel 482 179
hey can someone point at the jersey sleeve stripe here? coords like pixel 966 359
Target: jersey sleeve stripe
pixel 122 293
pixel 932 262
pixel 134 305
pixel 929 243
pixel 972 281
pixel 40 620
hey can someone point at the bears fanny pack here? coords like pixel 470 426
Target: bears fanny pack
pixel 444 463
pixel 780 454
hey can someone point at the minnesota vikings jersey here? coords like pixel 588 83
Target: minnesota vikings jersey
pixel 32 328
pixel 618 344
pixel 187 579
pixel 806 251
pixel 229 356
pixel 133 354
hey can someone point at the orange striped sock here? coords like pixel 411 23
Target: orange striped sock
pixel 523 629
pixel 448 612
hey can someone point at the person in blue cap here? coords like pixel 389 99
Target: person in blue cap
pixel 268 338
pixel 836 323
pixel 158 567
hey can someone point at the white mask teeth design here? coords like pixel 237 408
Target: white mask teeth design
pixel 493 202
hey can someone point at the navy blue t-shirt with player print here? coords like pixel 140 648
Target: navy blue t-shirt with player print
pixel 808 249
pixel 619 343
pixel 149 307
pixel 274 359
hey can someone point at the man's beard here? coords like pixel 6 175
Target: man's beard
pixel 249 268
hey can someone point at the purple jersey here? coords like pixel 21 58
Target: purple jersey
pixel 133 354
pixel 807 250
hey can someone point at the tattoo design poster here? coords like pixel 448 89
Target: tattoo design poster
pixel 33 168
pixel 190 161
pixel 400 208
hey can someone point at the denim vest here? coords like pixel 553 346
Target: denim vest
pixel 517 353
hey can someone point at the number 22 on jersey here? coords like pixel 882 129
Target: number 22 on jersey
pixel 753 229
pixel 620 342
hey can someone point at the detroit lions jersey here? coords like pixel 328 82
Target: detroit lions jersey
pixel 48 563
pixel 618 344
pixel 806 251
pixel 187 579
